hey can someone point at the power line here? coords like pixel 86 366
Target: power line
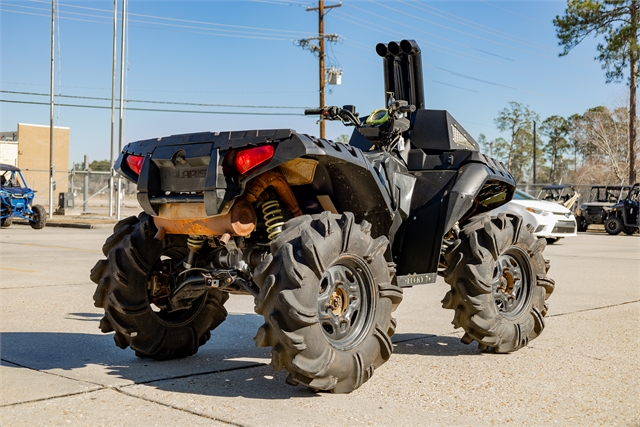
pixel 458 31
pixel 166 91
pixel 447 50
pixel 275 30
pixel 480 27
pixel 154 102
pixel 146 24
pixel 242 113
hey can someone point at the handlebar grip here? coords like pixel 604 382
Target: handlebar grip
pixel 313 111
pixel 407 108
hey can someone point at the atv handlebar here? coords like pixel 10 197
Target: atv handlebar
pixel 349 118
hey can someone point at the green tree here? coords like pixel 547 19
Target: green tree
pixel 556 128
pixel 617 22
pixel 601 134
pixel 515 151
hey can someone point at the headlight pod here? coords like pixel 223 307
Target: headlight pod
pixel 4 194
pixel 538 211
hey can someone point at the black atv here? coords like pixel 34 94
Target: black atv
pixel 324 235
pixel 623 216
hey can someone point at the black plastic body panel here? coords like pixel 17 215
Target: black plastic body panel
pixel 195 163
pixel 447 188
pixel 413 203
pixel 438 130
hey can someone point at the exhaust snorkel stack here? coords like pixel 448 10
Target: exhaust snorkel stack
pixel 403 72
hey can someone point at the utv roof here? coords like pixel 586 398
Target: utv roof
pixel 555 186
pixel 8 167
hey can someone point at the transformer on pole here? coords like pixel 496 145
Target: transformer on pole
pixel 319 49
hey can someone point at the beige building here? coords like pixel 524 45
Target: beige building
pixel 28 149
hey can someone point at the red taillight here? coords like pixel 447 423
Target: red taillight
pixel 135 163
pixel 249 159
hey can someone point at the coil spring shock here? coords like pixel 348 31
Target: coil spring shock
pixel 195 243
pixel 272 218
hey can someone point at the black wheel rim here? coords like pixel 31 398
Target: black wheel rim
pixel 165 269
pixel 346 302
pixel 512 282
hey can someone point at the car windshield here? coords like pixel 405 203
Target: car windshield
pixel 521 195
pixel 11 179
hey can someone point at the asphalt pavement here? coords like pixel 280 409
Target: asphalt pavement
pixel 58 369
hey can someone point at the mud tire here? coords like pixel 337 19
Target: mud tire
pixel 313 259
pixel 6 222
pixel 613 225
pixel 39 218
pixel 496 319
pixel 122 278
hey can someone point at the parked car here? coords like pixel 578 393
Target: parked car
pixel 549 220
pixel 17 199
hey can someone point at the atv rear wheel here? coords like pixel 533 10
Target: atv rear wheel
pixel 613 225
pixel 498 283
pixel 327 294
pixel 630 231
pixel 136 259
pixel 39 217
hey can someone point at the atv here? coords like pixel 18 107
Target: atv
pixel 623 216
pixel 16 199
pixel 326 236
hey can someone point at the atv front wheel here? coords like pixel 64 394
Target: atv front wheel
pixel 613 225
pixel 327 294
pixel 39 217
pixel 6 222
pixel 498 283
pixel 136 260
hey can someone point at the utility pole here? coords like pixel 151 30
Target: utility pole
pixel 113 105
pixel 120 129
pixel 51 167
pixel 534 152
pixel 304 43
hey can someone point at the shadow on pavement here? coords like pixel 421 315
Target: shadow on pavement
pixel 432 345
pixel 229 365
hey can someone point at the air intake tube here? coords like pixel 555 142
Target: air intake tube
pixel 402 64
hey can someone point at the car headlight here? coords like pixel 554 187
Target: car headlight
pixel 539 211
pixel 4 193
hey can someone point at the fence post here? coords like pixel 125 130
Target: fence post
pixel 85 195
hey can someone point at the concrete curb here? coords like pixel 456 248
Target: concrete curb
pixel 82 225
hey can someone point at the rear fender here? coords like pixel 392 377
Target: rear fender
pixel 199 167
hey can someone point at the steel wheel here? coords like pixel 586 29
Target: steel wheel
pixel 346 303
pixel 512 282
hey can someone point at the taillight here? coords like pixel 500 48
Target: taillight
pixel 253 157
pixel 135 163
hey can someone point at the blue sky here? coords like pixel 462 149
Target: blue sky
pixel 477 56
